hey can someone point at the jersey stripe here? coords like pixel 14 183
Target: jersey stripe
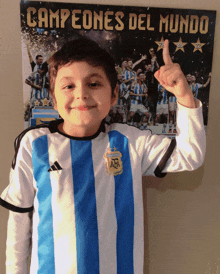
pixel 107 224
pixel 41 164
pixel 63 204
pixel 124 199
pixel 85 207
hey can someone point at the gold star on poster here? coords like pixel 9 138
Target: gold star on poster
pixel 160 44
pixel 198 45
pixel 45 102
pixel 36 103
pixel 180 45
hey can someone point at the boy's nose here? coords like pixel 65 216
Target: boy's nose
pixel 81 92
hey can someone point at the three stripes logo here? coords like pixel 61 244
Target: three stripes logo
pixel 55 166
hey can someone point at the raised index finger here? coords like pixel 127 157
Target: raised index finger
pixel 166 54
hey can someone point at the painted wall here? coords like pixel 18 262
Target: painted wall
pixel 182 211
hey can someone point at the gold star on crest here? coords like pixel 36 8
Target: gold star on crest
pixel 180 45
pixel 160 44
pixel 198 45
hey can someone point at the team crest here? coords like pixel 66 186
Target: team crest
pixel 113 163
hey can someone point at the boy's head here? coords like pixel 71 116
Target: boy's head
pixel 82 49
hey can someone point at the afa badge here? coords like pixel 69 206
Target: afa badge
pixel 113 163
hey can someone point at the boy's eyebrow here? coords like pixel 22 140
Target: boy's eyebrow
pixel 88 76
pixel 95 75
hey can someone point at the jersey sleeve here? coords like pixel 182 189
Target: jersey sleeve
pixel 185 152
pixel 19 194
pixel 18 244
pixel 189 152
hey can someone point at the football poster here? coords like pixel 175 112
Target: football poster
pixel 135 37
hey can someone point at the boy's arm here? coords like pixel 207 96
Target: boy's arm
pixel 172 79
pixel 18 197
pixel 18 244
pixel 187 150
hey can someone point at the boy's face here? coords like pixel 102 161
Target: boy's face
pixel 83 97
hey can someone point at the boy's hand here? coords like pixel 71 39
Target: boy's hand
pixel 172 79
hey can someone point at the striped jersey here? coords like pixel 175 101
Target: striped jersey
pixel 84 195
pixel 138 89
pixel 172 99
pixel 164 100
pixel 195 89
pixel 122 91
pixel 38 79
pixel 127 74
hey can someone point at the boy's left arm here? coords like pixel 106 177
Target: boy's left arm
pixel 190 143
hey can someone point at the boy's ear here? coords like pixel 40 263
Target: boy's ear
pixel 114 98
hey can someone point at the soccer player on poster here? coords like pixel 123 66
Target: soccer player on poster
pixel 75 193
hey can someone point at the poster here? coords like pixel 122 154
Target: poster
pixel 134 36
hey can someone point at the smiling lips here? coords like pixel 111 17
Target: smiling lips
pixel 84 108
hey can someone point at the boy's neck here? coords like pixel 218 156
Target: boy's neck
pixel 78 131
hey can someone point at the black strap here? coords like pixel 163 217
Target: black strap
pixel 158 171
pixel 15 208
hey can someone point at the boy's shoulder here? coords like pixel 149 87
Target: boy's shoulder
pixel 26 137
pixel 40 129
pixel 127 130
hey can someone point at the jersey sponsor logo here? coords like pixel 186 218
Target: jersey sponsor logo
pixel 113 163
pixel 55 166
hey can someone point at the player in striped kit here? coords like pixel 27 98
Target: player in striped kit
pixel 162 104
pixel 118 112
pixel 75 187
pixel 138 91
pixel 172 105
pixel 196 86
pixel 38 80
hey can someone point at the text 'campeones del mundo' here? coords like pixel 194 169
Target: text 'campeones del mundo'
pixel 111 20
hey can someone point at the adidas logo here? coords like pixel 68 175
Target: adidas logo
pixel 55 166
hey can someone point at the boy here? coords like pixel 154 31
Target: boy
pixel 76 185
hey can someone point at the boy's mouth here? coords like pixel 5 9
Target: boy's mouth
pixel 84 108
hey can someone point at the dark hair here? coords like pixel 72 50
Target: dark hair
pixel 82 49
pixel 141 72
pixel 38 56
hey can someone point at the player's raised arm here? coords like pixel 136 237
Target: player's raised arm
pixel 172 79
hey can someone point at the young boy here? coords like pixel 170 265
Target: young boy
pixel 75 192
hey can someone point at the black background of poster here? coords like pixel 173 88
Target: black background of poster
pixel 126 42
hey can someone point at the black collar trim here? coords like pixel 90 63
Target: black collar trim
pixel 53 127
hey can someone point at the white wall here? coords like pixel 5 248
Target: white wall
pixel 182 232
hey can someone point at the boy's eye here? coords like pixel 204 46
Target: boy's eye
pixel 68 87
pixel 94 84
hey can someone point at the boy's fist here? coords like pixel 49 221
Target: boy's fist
pixel 171 77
